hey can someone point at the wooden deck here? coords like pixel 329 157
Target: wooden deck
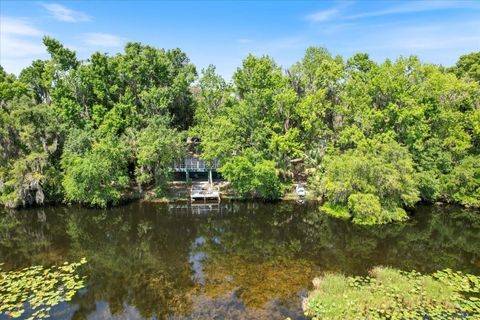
pixel 204 192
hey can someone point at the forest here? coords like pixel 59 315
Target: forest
pixel 374 138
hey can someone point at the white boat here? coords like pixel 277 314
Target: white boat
pixel 300 191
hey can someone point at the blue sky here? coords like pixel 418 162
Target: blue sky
pixel 223 33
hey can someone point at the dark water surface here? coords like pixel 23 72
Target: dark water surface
pixel 229 261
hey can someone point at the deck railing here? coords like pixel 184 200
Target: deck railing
pixel 195 164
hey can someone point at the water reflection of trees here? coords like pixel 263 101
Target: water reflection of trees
pixel 135 259
pixel 435 239
pixel 267 244
pixel 26 239
pixel 257 255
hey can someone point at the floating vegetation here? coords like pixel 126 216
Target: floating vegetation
pixel 392 294
pixel 37 289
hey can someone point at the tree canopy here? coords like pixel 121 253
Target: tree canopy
pixel 85 131
pixel 375 138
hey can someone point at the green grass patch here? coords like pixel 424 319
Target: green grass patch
pixel 392 294
pixel 336 210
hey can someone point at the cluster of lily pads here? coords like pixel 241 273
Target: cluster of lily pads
pixel 32 292
pixel 393 294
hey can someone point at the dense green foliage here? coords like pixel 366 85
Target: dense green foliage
pixel 252 175
pixel 468 65
pixel 87 131
pixel 374 181
pixel 38 289
pixel 392 294
pixel 98 175
pixel 372 138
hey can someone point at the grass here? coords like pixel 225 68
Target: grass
pixel 392 294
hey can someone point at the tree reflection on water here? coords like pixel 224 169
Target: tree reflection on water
pixel 236 260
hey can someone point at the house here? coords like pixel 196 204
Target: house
pixel 197 169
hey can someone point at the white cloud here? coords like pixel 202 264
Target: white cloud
pixel 103 40
pixel 413 7
pixel 20 43
pixel 12 46
pixel 62 13
pixel 321 16
pixel 18 26
pixel 403 8
pixel 328 14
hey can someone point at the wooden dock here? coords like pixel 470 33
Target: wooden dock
pixel 204 192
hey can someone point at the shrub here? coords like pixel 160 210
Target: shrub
pixel 365 208
pixel 97 177
pixel 429 185
pixel 335 210
pixel 374 182
pixel 462 185
pixel 251 175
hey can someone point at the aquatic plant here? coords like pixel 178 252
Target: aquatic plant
pixel 35 290
pixel 393 294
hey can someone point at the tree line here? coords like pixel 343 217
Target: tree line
pixel 373 138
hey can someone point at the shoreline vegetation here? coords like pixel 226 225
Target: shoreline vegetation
pixel 388 293
pixel 181 192
pixel 370 139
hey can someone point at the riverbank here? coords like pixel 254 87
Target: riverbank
pixel 180 192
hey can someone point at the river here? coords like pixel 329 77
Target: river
pixel 229 261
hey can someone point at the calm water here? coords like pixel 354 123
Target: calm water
pixel 234 261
